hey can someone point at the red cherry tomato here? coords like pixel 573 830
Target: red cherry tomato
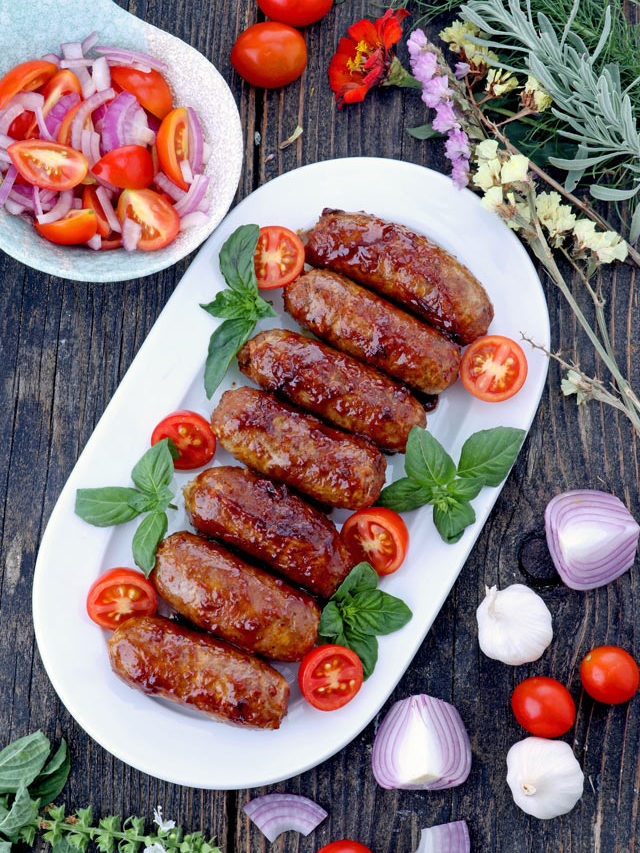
pixel 24 127
pixel 129 167
pixel 26 77
pixel 63 83
pixel 64 131
pixel 119 594
pixel 172 144
pixel 279 257
pixel 330 676
pixel 90 202
pixel 345 846
pixel 77 226
pixel 269 55
pixel 149 87
pixel 160 223
pixel 297 13
pixel 543 707
pixel 192 436
pixel 377 535
pixel 47 164
pixel 493 368
pixel 610 675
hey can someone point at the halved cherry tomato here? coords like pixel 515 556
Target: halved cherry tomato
pixel 128 167
pixel 377 535
pixel 279 257
pixel 63 83
pixel 160 223
pixel 493 368
pixel 269 55
pixel 172 143
pixel 119 594
pixel 345 846
pixel 192 436
pixel 330 676
pixel 610 675
pixel 543 707
pixel 149 87
pixel 90 202
pixel 297 13
pixel 47 164
pixel 24 127
pixel 26 77
pixel 78 226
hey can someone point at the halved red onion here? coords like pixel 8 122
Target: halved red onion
pixel 277 813
pixel 107 209
pixel 95 242
pixel 59 210
pixel 592 537
pixel 7 184
pixel 422 745
pixel 131 233
pixel 445 838
pixel 196 142
pixel 193 198
pixel 101 74
pixel 193 220
pixel 59 110
pixel 84 112
pixel 90 41
pixel 131 56
pixel 167 186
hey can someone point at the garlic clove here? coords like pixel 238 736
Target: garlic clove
pixel 544 776
pixel 514 625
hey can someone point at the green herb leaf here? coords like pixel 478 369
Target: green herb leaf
pixel 452 520
pixel 423 131
pixel 145 541
pixel 224 344
pixel 155 468
pixel 330 621
pixel 142 502
pixel 464 490
pixel 373 611
pixel 173 450
pixel 427 462
pixel 264 309
pixel 404 495
pixel 21 761
pixel 360 578
pixel 365 646
pixel 236 259
pixel 27 834
pixel 62 846
pixel 231 305
pixel 488 455
pixel 23 811
pixel 107 506
pixel 53 777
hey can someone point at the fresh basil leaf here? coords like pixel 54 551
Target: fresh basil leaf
pixel 155 468
pixel 330 621
pixel 365 646
pixel 426 461
pixel 423 131
pixel 452 520
pixel 464 490
pixel 107 506
pixel 232 305
pixel 146 538
pixel 224 344
pixel 404 495
pixel 236 259
pixel 376 612
pixel 23 811
pixel 264 309
pixel 53 777
pixel 22 760
pixel 142 502
pixel 360 578
pixel 489 454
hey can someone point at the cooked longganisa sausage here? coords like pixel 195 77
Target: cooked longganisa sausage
pixel 369 328
pixel 271 437
pixel 267 521
pixel 404 266
pixel 239 603
pixel 333 386
pixel 153 654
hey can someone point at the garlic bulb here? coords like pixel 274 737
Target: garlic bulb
pixel 514 625
pixel 544 777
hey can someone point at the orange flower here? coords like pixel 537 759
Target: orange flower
pixel 365 59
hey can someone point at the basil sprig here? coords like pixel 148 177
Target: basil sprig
pixel 241 306
pixel 357 612
pixel 118 504
pixel 433 477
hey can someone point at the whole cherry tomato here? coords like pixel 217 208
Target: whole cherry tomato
pixel 297 13
pixel 543 707
pixel 345 846
pixel 610 675
pixel 269 55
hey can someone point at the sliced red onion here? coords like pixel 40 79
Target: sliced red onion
pixel 72 64
pixel 84 112
pixel 72 50
pixel 90 41
pixel 59 210
pixel 37 204
pixel 187 173
pixel 131 233
pixel 132 56
pixel 51 57
pixel 58 111
pixel 193 220
pixel 95 242
pixel 101 74
pixel 90 146
pixel 29 100
pixel 592 537
pixel 196 142
pixel 277 813
pixel 5 160
pixel 193 198
pixel 167 186
pixel 446 838
pixel 422 745
pixel 9 115
pixel 86 81
pixel 5 141
pixel 107 209
pixel 13 207
pixel 7 184
pixel 125 123
pixel 77 204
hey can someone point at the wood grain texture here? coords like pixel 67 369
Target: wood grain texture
pixel 64 347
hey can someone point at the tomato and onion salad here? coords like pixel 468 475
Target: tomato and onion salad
pixel 279 257
pixel 493 368
pixel 101 119
pixel 543 707
pixel 192 436
pixel 378 536
pixel 610 675
pixel 330 676
pixel 119 594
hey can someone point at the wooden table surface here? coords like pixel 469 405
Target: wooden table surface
pixel 64 348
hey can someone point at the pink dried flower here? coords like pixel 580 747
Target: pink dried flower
pixel 435 90
pixel 460 172
pixel 424 66
pixel 446 118
pixel 457 145
pixel 462 69
pixel 417 43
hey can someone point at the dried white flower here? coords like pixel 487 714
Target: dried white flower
pixel 499 82
pixel 163 825
pixel 557 218
pixel 515 169
pixel 492 199
pixel 534 96
pixel 487 174
pixel 487 149
pixel 573 383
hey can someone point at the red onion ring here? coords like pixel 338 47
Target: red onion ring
pixel 13 207
pixel 125 123
pixel 193 198
pixel 84 112
pixel 95 242
pixel 58 111
pixel 193 220
pixel 7 184
pixel 445 838
pixel 592 537
pixel 131 233
pixel 107 209
pixel 101 74
pixel 51 57
pixel 90 41
pixel 277 813
pixel 196 142
pixel 9 115
pixel 443 728
pixel 72 50
pixel 59 210
pixel 167 186
pixel 131 56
